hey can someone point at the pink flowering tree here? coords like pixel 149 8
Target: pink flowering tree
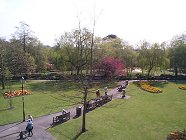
pixel 110 67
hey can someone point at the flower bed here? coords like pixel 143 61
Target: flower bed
pixel 182 87
pixel 177 135
pixel 16 93
pixel 145 85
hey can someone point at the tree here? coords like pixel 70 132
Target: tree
pixel 23 39
pixel 24 34
pixel 129 56
pixel 76 47
pixel 17 61
pixel 151 56
pixel 2 61
pixel 177 54
pixel 110 67
pixel 40 54
pixel 111 46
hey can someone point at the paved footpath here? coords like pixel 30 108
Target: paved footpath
pixel 41 124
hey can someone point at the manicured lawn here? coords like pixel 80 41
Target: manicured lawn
pixel 145 116
pixel 48 97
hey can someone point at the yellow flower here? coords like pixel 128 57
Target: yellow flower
pixel 145 85
pixel 183 87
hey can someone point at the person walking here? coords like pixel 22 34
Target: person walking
pixel 98 94
pixel 106 90
pixel 30 117
pixel 29 127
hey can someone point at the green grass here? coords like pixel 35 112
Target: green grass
pixel 145 116
pixel 48 97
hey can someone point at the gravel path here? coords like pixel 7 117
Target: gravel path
pixel 11 131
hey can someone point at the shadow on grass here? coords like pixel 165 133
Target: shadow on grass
pixel 5 109
pixel 74 138
pixel 164 84
pixel 179 82
pixel 54 86
pixel 114 105
pixel 77 135
pixel 160 84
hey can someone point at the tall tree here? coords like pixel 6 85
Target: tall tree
pixel 76 44
pixel 129 56
pixel 24 34
pixel 177 54
pixel 39 52
pixel 18 61
pixel 2 61
pixel 151 56
pixel 111 46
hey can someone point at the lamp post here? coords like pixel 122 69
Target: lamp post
pixel 22 80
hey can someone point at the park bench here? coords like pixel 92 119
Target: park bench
pixel 106 98
pixel 98 102
pixel 61 118
pixel 91 105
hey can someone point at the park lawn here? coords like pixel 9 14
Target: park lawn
pixel 48 97
pixel 144 116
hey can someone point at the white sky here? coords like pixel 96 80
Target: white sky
pixel 131 20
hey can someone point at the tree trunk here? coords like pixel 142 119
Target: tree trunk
pixel 24 43
pixel 84 112
pixel 2 72
pixel 78 70
pixel 3 81
pixel 176 72
pixel 148 74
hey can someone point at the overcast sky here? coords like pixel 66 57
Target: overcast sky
pixel 130 20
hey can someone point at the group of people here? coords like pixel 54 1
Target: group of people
pixel 123 86
pixel 120 89
pixel 98 95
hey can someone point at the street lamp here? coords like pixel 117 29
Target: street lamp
pixel 22 82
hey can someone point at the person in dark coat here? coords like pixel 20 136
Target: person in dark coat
pixel 98 94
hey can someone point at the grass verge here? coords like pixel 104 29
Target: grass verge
pixel 144 116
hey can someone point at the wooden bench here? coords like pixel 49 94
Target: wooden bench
pixel 91 105
pixel 106 98
pixel 61 118
pixel 99 102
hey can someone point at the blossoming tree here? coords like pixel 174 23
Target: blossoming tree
pixel 110 67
